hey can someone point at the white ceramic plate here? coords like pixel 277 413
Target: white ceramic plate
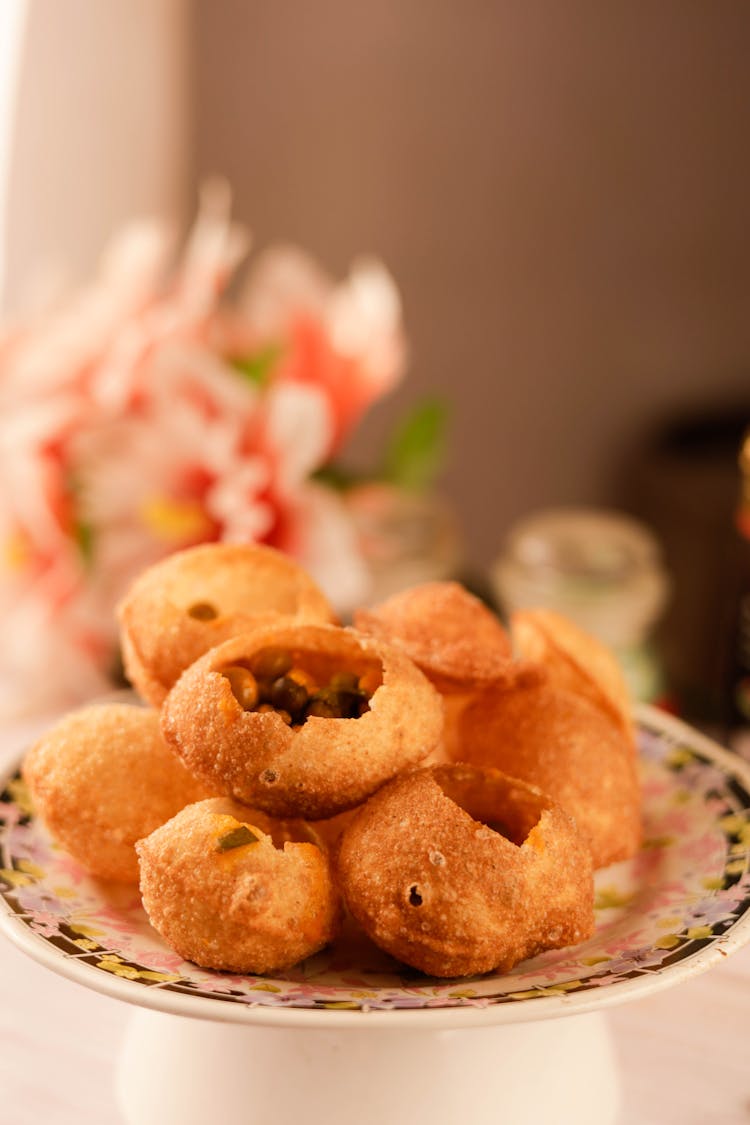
pixel 676 909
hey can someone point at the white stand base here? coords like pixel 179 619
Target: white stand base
pixel 194 1072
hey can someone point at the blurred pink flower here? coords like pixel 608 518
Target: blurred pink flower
pixel 346 339
pixel 143 415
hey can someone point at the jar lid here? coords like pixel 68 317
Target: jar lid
pixel 598 567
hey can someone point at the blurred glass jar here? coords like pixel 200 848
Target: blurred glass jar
pixel 601 569
pixel 405 538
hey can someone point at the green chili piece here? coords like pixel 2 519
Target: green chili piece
pixel 237 838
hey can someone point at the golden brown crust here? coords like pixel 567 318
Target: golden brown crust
pixel 326 766
pixel 570 749
pixel 432 884
pixel 448 633
pixel 248 586
pixel 256 908
pixel 328 832
pixel 574 660
pixel 102 778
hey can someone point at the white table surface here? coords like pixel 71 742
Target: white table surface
pixel 684 1053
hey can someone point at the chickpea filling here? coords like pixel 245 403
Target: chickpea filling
pixel 300 685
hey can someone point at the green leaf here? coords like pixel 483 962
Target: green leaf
pixel 82 531
pixel 83 534
pixel 258 367
pixel 338 477
pixel 415 453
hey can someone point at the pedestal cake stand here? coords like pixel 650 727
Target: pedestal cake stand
pixel 353 1035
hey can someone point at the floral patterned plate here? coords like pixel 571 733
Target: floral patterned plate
pixel 675 910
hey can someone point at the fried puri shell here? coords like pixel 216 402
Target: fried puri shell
pixel 325 766
pixel 448 633
pixel 574 660
pixel 452 637
pixel 328 832
pixel 459 870
pixel 228 889
pixel 195 599
pixel 101 779
pixel 569 748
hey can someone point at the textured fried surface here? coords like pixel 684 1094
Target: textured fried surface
pixel 432 884
pixel 328 832
pixel 258 908
pixel 574 660
pixel 246 585
pixel 326 766
pixel 570 749
pixel 456 641
pixel 102 778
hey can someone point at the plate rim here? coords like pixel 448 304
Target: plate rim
pixel 475 1015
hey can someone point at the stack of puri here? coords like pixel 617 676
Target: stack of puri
pixel 555 713
pixel 454 796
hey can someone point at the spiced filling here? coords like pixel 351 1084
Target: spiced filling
pixel 298 686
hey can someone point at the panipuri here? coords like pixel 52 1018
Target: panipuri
pixel 453 638
pixel 569 748
pixel 302 720
pixel 458 870
pixel 229 889
pixel 195 599
pixel 574 660
pixel 101 779
pixel 448 633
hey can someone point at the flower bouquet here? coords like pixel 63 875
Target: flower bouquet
pixel 149 413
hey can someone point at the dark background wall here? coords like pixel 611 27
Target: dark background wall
pixel 561 191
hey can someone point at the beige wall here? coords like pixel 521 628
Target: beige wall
pixel 562 190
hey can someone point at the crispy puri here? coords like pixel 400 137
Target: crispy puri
pixel 574 660
pixel 459 870
pixel 228 889
pixel 447 632
pixel 309 750
pixel 452 637
pixel 569 748
pixel 101 779
pixel 328 832
pixel 195 599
